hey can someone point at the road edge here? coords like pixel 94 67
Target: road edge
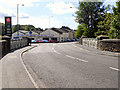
pixel 28 73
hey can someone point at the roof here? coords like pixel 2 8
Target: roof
pixel 22 32
pixel 37 31
pixel 56 30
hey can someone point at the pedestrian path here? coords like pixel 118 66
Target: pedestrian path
pixel 13 73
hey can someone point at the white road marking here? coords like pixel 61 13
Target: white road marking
pixel 81 60
pixel 80 48
pixel 31 78
pixel 56 52
pixel 70 57
pixel 76 58
pixel 54 49
pixel 114 69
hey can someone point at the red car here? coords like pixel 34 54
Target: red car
pixel 39 41
pixel 52 41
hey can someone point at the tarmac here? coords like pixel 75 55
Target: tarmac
pixel 13 74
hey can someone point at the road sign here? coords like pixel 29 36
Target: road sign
pixel 8 26
pixel 30 32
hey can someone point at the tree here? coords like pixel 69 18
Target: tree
pixel 104 25
pixel 90 13
pixel 16 28
pixel 115 26
pixel 80 30
pixel 2 25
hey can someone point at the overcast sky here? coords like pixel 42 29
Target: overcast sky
pixel 42 12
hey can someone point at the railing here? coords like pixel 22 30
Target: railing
pixel 14 44
pixel 90 42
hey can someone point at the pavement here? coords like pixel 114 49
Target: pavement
pixel 13 73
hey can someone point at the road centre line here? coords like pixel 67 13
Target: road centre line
pixel 114 69
pixel 76 58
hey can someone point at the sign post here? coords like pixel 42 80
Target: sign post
pixel 8 26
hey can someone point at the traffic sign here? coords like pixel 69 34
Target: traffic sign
pixel 30 32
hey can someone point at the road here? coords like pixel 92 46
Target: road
pixel 66 65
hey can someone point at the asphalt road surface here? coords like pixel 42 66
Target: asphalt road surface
pixel 63 65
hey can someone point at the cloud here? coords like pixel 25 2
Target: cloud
pixel 8 8
pixel 13 3
pixel 61 7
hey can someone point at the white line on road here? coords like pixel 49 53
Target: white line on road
pixel 76 58
pixel 54 49
pixel 114 69
pixel 31 78
pixel 56 52
pixel 80 48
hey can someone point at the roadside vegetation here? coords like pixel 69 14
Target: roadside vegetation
pixel 96 19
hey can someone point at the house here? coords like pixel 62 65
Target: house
pixel 23 33
pixel 51 34
pixel 58 34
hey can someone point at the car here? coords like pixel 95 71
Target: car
pixel 45 40
pixel 52 41
pixel 68 40
pixel 73 40
pixel 33 41
pixel 40 40
pixel 37 40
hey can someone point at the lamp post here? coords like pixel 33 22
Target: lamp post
pixel 49 20
pixel 18 16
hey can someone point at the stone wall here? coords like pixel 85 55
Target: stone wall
pixel 104 44
pixel 7 44
pixel 109 45
pixel 3 47
pixel 15 44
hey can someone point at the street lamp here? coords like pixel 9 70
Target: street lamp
pixel 49 20
pixel 18 12
pixel 18 16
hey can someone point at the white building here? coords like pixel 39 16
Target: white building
pixel 59 34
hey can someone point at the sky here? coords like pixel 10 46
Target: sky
pixel 42 13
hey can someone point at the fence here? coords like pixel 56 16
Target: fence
pixel 90 42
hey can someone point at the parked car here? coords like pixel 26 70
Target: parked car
pixel 73 40
pixel 45 40
pixel 37 40
pixel 33 41
pixel 52 41
pixel 68 40
pixel 40 40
